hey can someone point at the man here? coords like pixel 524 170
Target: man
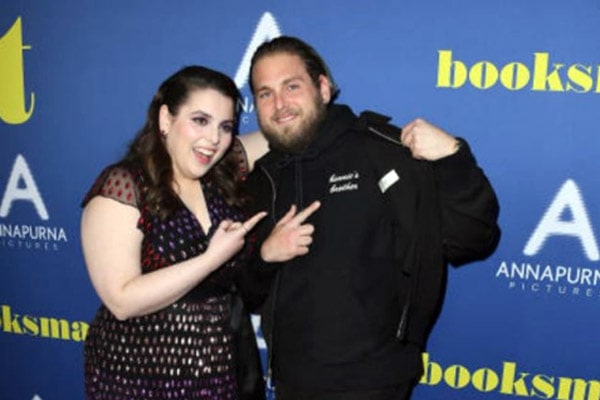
pixel 361 229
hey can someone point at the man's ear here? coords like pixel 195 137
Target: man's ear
pixel 325 88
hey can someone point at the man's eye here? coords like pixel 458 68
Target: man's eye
pixel 264 95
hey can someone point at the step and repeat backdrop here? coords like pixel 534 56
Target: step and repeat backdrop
pixel 519 79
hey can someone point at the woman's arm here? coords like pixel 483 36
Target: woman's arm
pixel 255 146
pixel 112 246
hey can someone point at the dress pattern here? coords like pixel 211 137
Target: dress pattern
pixel 184 351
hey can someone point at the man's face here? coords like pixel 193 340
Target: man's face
pixel 289 106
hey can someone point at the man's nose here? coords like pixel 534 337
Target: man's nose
pixel 278 100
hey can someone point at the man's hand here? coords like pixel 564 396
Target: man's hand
pixel 428 142
pixel 291 236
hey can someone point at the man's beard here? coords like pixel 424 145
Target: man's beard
pixel 296 141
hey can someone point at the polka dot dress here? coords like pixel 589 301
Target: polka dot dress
pixel 183 351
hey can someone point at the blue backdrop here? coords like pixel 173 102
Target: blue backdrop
pixel 519 79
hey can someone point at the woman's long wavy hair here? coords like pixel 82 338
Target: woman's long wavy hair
pixel 148 147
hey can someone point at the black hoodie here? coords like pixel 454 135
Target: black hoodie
pixel 386 228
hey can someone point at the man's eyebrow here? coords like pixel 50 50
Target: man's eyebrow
pixel 294 78
pixel 263 87
pixel 284 82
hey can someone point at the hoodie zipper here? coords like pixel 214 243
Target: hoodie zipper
pixel 299 201
pixel 381 135
pixel 402 330
pixel 298 185
pixel 269 366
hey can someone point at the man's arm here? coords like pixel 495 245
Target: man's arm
pixel 469 207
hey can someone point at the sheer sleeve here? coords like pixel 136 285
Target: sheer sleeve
pixel 115 182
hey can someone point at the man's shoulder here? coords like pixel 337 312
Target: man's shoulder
pixel 267 162
pixel 376 130
pixel 379 140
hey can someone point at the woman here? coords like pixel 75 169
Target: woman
pixel 163 235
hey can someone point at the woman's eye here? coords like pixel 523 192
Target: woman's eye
pixel 201 121
pixel 227 128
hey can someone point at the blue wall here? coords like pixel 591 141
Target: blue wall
pixel 519 79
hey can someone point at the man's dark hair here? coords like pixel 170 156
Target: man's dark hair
pixel 315 65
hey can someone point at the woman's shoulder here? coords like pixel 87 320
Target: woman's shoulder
pixel 121 181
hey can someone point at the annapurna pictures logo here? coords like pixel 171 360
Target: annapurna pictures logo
pixel 552 278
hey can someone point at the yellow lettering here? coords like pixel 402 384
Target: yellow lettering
pixel 10 321
pixel 514 76
pixel 432 372
pixel 485 380
pixel 457 376
pixel 543 386
pixel 451 74
pixel 581 76
pixel 591 388
pixel 542 76
pixel 564 388
pixel 542 79
pixel 510 383
pixel 79 331
pixel 12 82
pixel 30 325
pixel 483 75
pixel 56 329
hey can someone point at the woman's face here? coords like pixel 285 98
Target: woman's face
pixel 198 136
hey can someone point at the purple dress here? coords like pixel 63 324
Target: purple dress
pixel 184 351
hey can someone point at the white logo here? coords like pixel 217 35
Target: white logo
pixel 21 186
pixel 266 29
pixel 343 183
pixel 568 198
pixel 566 218
pixel 21 172
pixel 388 180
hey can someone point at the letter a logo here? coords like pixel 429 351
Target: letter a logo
pixel 569 198
pixel 266 29
pixel 30 192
